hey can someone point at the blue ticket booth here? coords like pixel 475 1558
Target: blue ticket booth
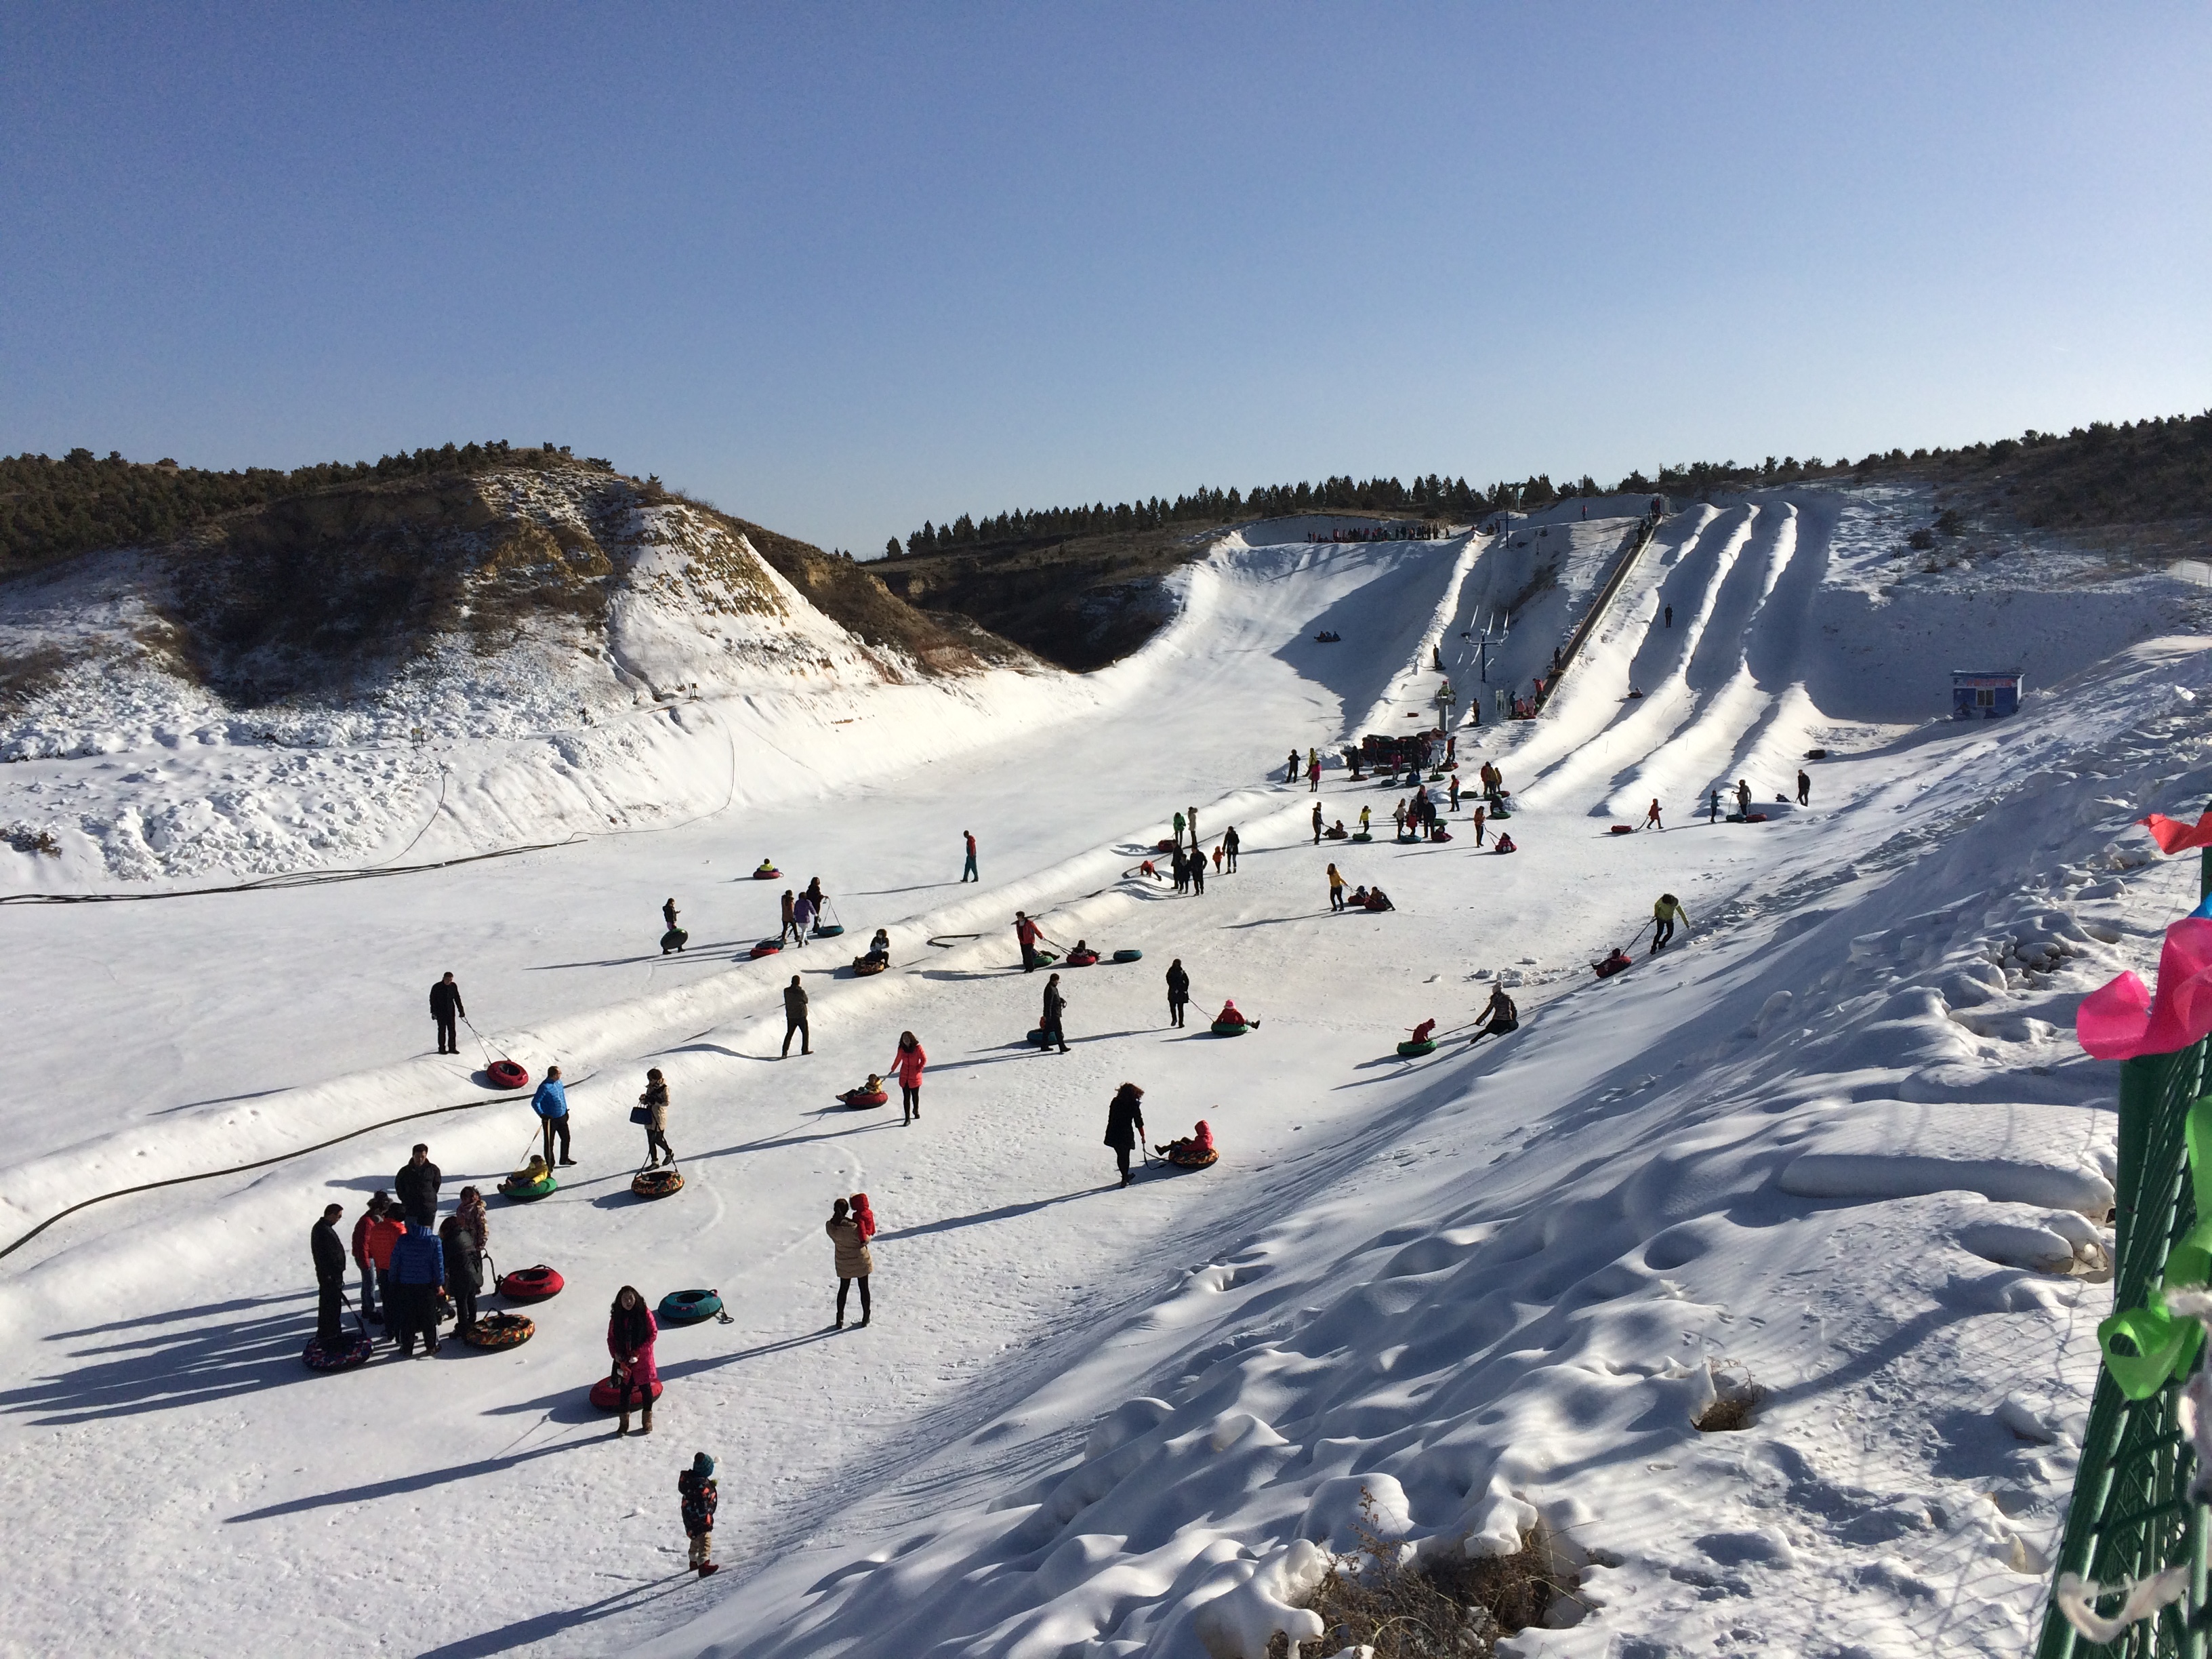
pixel 1985 697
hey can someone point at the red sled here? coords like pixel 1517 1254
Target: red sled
pixel 506 1074
pixel 1622 829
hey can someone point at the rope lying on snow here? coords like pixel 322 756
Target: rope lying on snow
pixel 263 1162
pixel 290 878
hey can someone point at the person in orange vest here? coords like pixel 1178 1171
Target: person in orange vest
pixel 1026 931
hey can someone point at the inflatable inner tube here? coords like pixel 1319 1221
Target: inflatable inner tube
pixel 864 966
pixel 530 1284
pixel 767 947
pixel 657 1183
pixel 1081 959
pixel 673 939
pixel 864 1097
pixel 607 1398
pixel 338 1353
pixel 1128 955
pixel 1415 1051
pixel 506 1074
pixel 688 1307
pixel 766 875
pixel 1359 835
pixel 1622 829
pixel 1039 1037
pixel 516 1190
pixel 499 1330
pixel 1188 1158
pixel 830 930
pixel 1230 1027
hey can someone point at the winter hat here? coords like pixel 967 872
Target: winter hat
pixel 702 1464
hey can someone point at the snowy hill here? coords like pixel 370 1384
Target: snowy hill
pixel 440 665
pixel 1833 1162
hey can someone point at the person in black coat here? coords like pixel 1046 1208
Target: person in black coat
pixel 445 1009
pixel 1124 1125
pixel 330 1272
pixel 1055 1008
pixel 1178 991
pixel 416 1186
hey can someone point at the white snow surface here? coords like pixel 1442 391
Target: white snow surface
pixel 1837 1151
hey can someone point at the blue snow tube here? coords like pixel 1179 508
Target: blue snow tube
pixel 1128 955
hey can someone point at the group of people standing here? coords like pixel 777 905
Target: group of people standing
pixel 412 1269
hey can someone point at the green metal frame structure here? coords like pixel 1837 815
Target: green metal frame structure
pixel 2130 1517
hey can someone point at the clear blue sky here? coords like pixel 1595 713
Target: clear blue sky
pixel 843 268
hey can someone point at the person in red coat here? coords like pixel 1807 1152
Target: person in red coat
pixel 631 1333
pixel 908 1063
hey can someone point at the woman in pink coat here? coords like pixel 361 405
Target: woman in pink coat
pixel 630 1334
pixel 907 1062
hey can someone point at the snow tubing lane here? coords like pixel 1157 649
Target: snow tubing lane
pixel 607 1398
pixel 506 1074
pixel 1128 955
pixel 341 1354
pixel 688 1307
pixel 526 1192
pixel 500 1330
pixel 1193 1160
pixel 864 1097
pixel 1232 1027
pixel 530 1284
pixel 657 1183
pixel 1415 1051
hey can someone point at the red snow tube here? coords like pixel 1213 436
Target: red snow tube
pixel 863 1098
pixel 530 1284
pixel 767 947
pixel 767 875
pixel 657 1183
pixel 1081 959
pixel 506 1074
pixel 1622 829
pixel 338 1353
pixel 608 1398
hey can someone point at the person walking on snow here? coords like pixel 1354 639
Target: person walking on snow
pixel 967 874
pixel 795 1020
pixel 1651 818
pixel 802 917
pixel 1366 821
pixel 1664 916
pixel 1124 1125
pixel 418 1274
pixel 1180 867
pixel 445 1009
pixel 1178 992
pixel 1290 771
pixel 698 1495
pixel 1713 813
pixel 1217 858
pixel 908 1063
pixel 631 1332
pixel 1804 788
pixel 1026 931
pixel 330 1258
pixel 1313 775
pixel 1454 791
pixel 1055 1009
pixel 1193 812
pixel 416 1186
pixel 551 1102
pixel 1317 823
pixel 668 914
pixel 784 932
pixel 655 1102
pixel 1178 832
pixel 1481 817
pixel 852 1223
pixel 1398 818
pixel 1743 797
pixel 360 1230
pixel 1335 889
pixel 1229 844
pixel 1197 873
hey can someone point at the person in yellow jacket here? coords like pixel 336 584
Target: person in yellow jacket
pixel 1664 916
pixel 1335 889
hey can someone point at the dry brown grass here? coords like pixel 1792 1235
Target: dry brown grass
pixel 1737 1408
pixel 1446 1607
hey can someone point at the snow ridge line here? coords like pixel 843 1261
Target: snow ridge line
pixel 1641 537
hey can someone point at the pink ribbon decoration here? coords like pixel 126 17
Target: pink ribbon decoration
pixel 2173 835
pixel 2124 1019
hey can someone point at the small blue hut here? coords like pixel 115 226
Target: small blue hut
pixel 1985 697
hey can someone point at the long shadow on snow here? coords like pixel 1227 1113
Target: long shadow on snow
pixel 166 1370
pixel 1004 1212
pixel 649 956
pixel 537 1628
pixel 423 1481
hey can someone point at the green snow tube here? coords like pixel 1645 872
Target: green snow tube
pixel 516 1191
pixel 1359 835
pixel 1415 1051
pixel 1128 955
pixel 1230 1027
pixel 688 1307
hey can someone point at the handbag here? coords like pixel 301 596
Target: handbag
pixel 641 1114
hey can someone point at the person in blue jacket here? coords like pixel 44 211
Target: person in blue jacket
pixel 551 1102
pixel 418 1274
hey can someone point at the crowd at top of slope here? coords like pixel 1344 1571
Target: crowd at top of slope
pixel 455 602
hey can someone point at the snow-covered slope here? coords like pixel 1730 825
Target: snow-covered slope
pixel 1836 1151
